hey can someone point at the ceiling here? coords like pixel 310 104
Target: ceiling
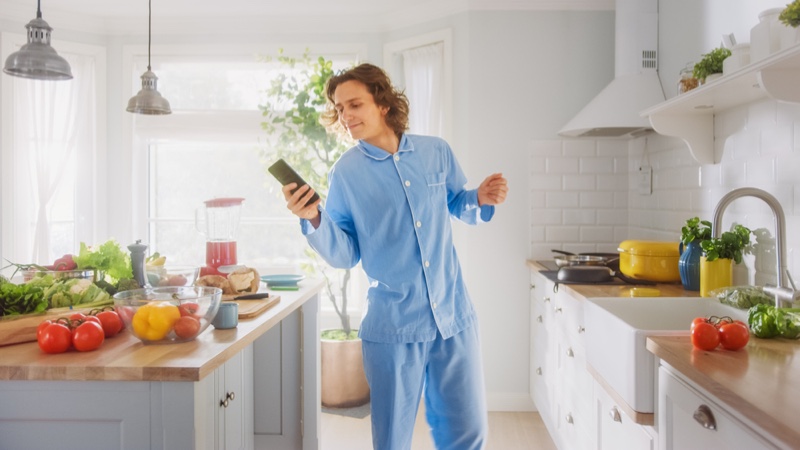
pixel 117 17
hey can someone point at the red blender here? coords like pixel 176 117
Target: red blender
pixel 218 221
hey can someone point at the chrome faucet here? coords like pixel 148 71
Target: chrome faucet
pixel 784 291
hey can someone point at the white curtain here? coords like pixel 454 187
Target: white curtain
pixel 423 70
pixel 53 121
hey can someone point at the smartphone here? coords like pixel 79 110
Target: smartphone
pixel 285 174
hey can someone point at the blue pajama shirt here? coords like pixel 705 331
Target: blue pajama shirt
pixel 392 213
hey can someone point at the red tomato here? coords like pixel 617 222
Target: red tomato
pixel 88 336
pixel 189 309
pixel 54 338
pixel 41 327
pixel 705 336
pixel 111 322
pixel 698 320
pixel 77 316
pixel 186 327
pixel 94 319
pixel 733 336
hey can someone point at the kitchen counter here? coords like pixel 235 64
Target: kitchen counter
pixel 758 382
pixel 126 358
pixel 615 290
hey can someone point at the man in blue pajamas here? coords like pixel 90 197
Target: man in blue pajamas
pixel 389 206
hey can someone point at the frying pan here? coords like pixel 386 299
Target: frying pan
pixel 595 274
pixel 584 259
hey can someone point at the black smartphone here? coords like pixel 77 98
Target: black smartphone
pixel 285 174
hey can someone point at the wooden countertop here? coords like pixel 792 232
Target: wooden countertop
pixel 126 358
pixel 615 290
pixel 759 382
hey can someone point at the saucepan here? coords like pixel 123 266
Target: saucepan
pixel 595 274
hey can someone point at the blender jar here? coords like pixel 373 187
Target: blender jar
pixel 218 221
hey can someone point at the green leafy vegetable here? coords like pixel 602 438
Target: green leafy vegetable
pixel 74 292
pixel 108 258
pixel 743 297
pixel 20 298
pixel 767 321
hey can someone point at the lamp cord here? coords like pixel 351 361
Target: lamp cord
pixel 149 26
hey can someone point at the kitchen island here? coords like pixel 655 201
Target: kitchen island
pixel 253 386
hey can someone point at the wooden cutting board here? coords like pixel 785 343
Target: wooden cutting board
pixel 19 329
pixel 251 308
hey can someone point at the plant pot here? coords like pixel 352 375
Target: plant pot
pixel 343 384
pixel 789 36
pixel 715 274
pixel 689 265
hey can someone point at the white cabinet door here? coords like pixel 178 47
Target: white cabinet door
pixel 543 365
pixel 689 420
pixel 235 393
pixel 615 430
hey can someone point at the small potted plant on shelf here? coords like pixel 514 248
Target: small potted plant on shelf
pixel 692 234
pixel 719 254
pixel 790 16
pixel 711 64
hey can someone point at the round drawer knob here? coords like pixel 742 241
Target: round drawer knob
pixel 539 319
pixel 570 353
pixel 569 418
pixel 538 371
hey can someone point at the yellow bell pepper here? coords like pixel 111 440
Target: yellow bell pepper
pixel 153 321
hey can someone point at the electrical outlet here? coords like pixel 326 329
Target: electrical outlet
pixel 645 180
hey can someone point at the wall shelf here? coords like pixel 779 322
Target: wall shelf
pixel 690 116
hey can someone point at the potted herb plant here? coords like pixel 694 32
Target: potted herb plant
pixel 719 255
pixel 295 101
pixel 692 234
pixel 710 64
pixel 790 16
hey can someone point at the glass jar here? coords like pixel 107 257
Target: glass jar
pixel 687 81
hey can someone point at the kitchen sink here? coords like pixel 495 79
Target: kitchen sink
pixel 617 331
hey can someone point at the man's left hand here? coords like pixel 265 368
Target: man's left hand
pixel 493 190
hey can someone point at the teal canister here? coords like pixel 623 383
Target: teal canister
pixel 689 265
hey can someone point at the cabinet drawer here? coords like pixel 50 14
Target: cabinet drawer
pixel 682 411
pixel 615 430
pixel 568 314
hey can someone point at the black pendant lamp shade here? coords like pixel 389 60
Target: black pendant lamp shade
pixel 37 59
pixel 148 100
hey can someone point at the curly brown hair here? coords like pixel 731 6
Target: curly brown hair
pixel 384 94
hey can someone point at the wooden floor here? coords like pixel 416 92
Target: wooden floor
pixel 507 431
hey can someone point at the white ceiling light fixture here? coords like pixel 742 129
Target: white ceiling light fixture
pixel 148 100
pixel 37 59
pixel 614 112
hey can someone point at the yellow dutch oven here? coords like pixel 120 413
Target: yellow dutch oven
pixel 650 260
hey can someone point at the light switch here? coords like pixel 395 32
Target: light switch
pixel 645 180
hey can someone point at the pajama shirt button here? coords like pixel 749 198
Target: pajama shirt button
pixel 419 224
pixel 408 183
pixel 427 263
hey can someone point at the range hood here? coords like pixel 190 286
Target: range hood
pixel 614 112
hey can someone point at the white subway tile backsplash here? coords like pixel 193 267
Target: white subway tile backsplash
pixel 538 165
pixel 562 165
pixel 579 182
pixel 562 200
pixel 733 173
pixel 615 182
pixel 760 172
pixel 596 165
pixel 583 216
pixel 597 234
pixel 544 182
pixel 710 175
pixel 777 142
pixel 612 148
pixel 742 146
pixel 612 217
pixel 597 199
pixel 563 234
pixel 537 199
pixel 545 216
pixel 551 147
pixel 579 147
pixel 762 115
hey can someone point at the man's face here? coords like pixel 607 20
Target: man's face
pixel 358 112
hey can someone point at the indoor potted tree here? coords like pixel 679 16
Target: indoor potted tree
pixel 719 255
pixel 692 234
pixel 292 112
pixel 711 64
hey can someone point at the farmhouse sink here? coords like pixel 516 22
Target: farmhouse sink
pixel 617 331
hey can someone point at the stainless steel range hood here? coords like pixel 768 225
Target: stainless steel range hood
pixel 614 112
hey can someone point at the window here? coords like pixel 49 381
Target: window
pixel 53 136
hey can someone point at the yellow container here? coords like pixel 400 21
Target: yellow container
pixel 650 260
pixel 715 274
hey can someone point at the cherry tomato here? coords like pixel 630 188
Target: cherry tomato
pixel 94 319
pixel 186 327
pixel 41 327
pixel 88 336
pixel 705 336
pixel 189 309
pixel 733 336
pixel 54 338
pixel 111 322
pixel 77 316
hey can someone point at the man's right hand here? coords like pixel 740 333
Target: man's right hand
pixel 296 203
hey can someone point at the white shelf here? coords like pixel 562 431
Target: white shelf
pixel 690 116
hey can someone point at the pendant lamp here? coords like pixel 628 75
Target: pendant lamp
pixel 148 100
pixel 36 59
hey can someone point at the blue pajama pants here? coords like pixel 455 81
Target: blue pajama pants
pixel 447 371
